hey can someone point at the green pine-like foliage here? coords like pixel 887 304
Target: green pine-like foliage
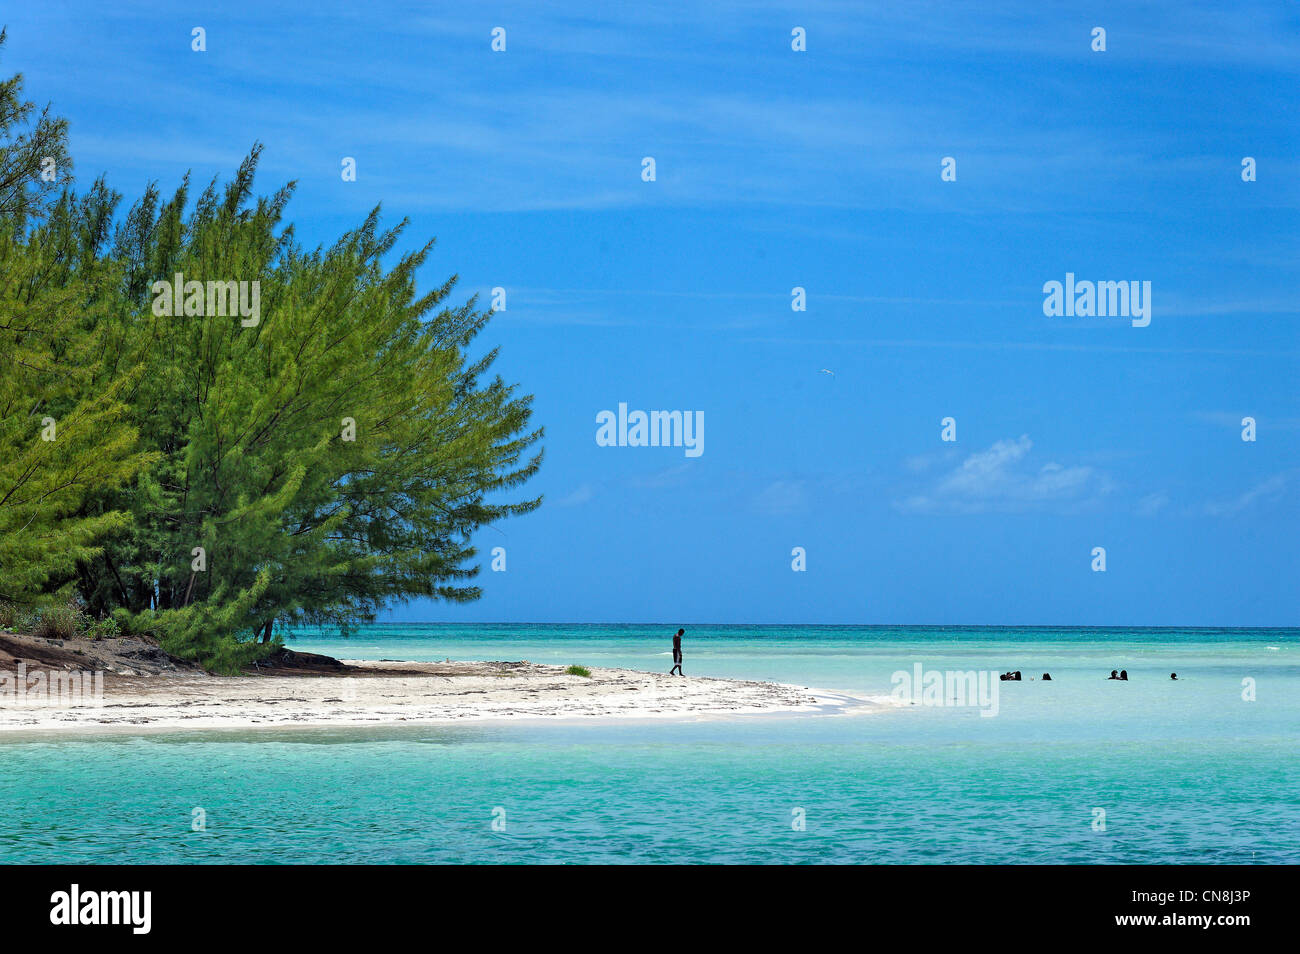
pixel 214 479
pixel 61 439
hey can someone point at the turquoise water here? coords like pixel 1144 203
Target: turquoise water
pixel 1186 772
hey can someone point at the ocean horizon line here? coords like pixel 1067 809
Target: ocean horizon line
pixel 937 626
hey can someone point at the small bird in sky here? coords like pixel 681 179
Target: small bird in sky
pixel 828 371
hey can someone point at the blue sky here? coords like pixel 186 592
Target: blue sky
pixel 818 169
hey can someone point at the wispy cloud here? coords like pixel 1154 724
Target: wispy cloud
pixel 1265 492
pixel 673 476
pixel 562 120
pixel 1233 419
pixel 1004 478
pixel 666 478
pixel 781 498
pixel 1152 504
pixel 584 493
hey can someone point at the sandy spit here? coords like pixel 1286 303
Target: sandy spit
pixel 389 693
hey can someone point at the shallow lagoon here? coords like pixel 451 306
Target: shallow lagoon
pixel 1184 771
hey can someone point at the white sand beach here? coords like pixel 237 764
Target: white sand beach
pixel 396 693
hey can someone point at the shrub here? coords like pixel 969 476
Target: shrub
pixel 104 628
pixel 57 622
pixel 578 671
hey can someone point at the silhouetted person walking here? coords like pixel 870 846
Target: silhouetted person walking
pixel 677 654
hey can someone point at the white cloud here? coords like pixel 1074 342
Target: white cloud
pixel 781 497
pixel 1003 478
pixel 1266 491
pixel 583 494
pixel 1152 504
